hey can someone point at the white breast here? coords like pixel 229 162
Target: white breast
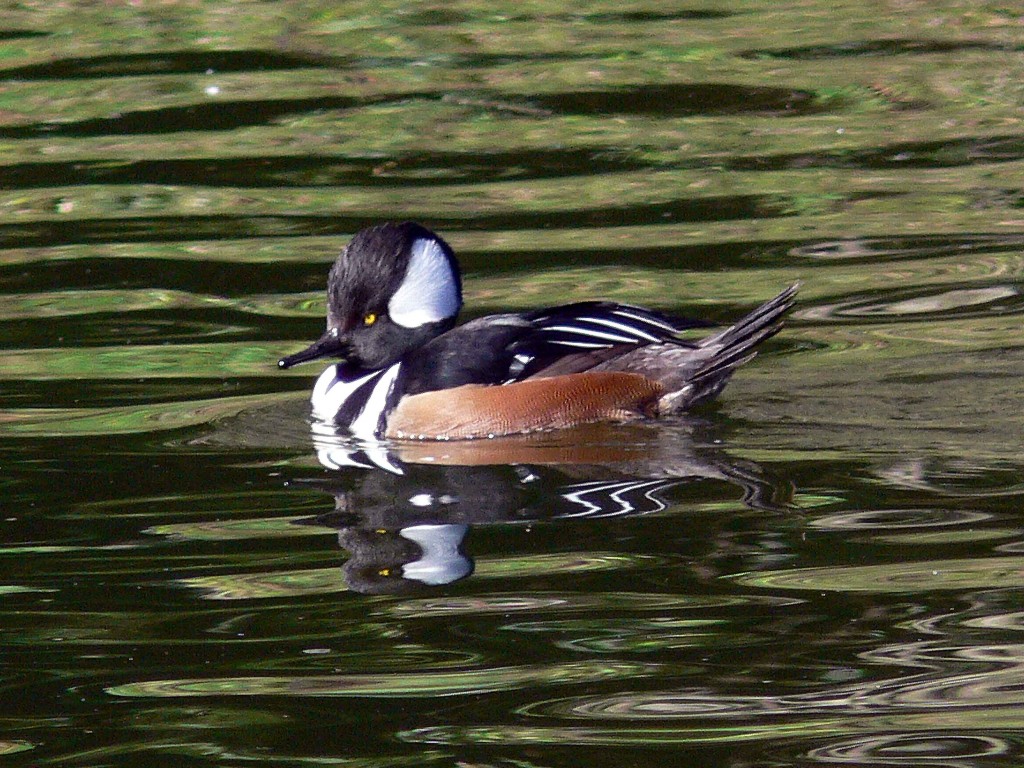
pixel 330 392
pixel 333 393
pixel 364 426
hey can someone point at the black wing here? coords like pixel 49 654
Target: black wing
pixel 591 328
pixel 499 349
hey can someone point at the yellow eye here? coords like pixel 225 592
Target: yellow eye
pixel 370 319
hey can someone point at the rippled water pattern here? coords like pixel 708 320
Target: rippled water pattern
pixel 822 568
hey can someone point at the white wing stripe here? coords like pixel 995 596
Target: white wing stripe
pixel 646 320
pixel 592 333
pixel 621 327
pixel 581 344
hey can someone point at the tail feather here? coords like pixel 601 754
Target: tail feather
pixel 736 345
pixel 691 373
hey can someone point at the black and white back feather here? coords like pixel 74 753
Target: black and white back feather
pixel 585 330
pixel 602 324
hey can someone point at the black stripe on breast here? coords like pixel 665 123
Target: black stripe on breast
pixel 355 403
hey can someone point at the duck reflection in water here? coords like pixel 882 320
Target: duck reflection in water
pixel 403 511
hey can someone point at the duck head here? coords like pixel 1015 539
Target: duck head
pixel 393 288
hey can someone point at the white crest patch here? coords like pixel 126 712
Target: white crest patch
pixel 428 292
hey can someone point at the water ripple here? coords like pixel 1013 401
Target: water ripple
pixel 553 601
pixel 632 636
pixel 957 477
pixel 417 684
pixel 997 685
pixel 887 47
pixel 931 575
pixel 313 581
pixel 923 304
pixel 1008 621
pixel 269 585
pixel 897 519
pixel 13 746
pixel 923 749
pixel 633 738
pixel 67 422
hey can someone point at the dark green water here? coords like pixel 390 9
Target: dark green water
pixel 822 568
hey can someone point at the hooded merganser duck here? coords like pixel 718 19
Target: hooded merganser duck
pixel 407 372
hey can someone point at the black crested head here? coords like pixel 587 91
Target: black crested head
pixel 393 288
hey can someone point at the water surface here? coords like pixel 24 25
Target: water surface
pixel 823 567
